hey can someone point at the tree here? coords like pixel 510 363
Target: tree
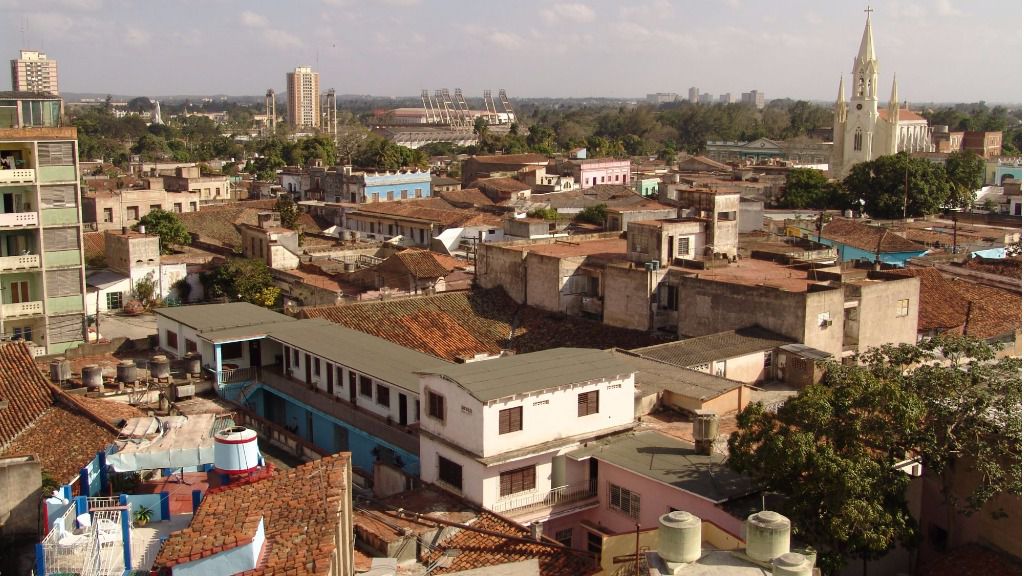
pixel 966 173
pixel 593 214
pixel 244 279
pixel 546 213
pixel 831 450
pixel 167 226
pixel 289 213
pixel 889 183
pixel 805 188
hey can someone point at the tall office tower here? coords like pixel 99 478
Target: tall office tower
pixel 42 283
pixel 34 72
pixel 331 115
pixel 694 95
pixel 304 98
pixel 270 105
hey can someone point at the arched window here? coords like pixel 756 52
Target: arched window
pixel 860 87
pixel 858 140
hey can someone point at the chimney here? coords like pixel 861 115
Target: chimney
pixel 536 530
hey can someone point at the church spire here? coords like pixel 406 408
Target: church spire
pixel 841 101
pixel 867 42
pixel 894 102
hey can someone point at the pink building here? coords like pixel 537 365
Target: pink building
pixel 598 171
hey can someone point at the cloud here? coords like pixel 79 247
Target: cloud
pixel 578 13
pixel 267 34
pixel 946 8
pixel 506 40
pixel 135 36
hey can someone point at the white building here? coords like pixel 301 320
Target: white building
pixel 496 432
pixel 34 72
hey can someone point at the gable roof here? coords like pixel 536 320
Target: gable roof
pixel 703 163
pixel 512 159
pixel 720 346
pixel 653 377
pixel 23 387
pixel 421 263
pixel 301 509
pixel 905 115
pixel 492 379
pixel 868 238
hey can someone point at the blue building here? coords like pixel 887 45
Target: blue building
pixel 363 187
pixel 336 388
pixel 858 241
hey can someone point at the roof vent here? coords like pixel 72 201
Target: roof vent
pixel 767 535
pixel 679 537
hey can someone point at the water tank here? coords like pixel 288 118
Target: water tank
pixel 792 564
pixel 60 369
pixel 160 367
pixel 194 363
pixel 848 213
pixel 679 537
pixel 767 535
pixel 705 430
pixel 92 376
pixel 235 450
pixel 127 372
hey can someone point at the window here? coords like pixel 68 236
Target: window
pixel 172 339
pixel 23 333
pixel 768 359
pixel 564 537
pixel 108 214
pixel 449 472
pixel 624 501
pixel 419 192
pixel 435 405
pixel 595 543
pixel 383 395
pixel 858 140
pixel 720 368
pixel 365 386
pixel 133 212
pixel 316 366
pixel 903 307
pixel 510 420
pixel 114 300
pixel 684 246
pixel 295 357
pixel 518 480
pixel 586 403
pixel 668 297
pixel 231 350
pixel 177 207
pixel 405 194
pixel 190 346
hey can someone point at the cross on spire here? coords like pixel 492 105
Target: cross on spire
pixel 869 10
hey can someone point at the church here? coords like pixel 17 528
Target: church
pixel 861 131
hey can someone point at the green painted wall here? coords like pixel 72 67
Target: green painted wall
pixel 62 258
pixel 54 216
pixel 35 285
pixel 56 174
pixel 65 304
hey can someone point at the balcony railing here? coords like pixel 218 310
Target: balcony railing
pixel 554 498
pixel 19 219
pixel 25 262
pixel 18 176
pixel 22 309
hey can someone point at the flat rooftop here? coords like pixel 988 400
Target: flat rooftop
pixel 568 249
pixel 754 272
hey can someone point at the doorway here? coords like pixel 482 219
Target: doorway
pixel 403 407
pixel 255 354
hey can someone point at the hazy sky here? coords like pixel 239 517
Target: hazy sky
pixel 940 50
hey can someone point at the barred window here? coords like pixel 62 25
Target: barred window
pixel 624 501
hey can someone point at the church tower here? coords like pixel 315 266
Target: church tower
pixel 860 129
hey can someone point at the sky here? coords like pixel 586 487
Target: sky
pixel 939 50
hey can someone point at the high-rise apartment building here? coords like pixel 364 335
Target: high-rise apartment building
pixel 693 95
pixel 304 98
pixel 754 98
pixel 34 72
pixel 42 280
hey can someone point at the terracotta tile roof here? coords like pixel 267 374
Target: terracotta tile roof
pixel 23 387
pixel 506 185
pixel 110 410
pixel 703 163
pixel 970 560
pixel 466 196
pixel 486 317
pixel 904 114
pixel 218 222
pixel 95 244
pixel 301 510
pixel 994 312
pixel 447 217
pixel 422 263
pixel 511 159
pixel 80 439
pixel 1009 267
pixel 868 238
pixel 478 550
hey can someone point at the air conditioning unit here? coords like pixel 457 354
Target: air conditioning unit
pixel 826 323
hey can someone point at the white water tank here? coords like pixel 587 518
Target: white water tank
pixel 767 535
pixel 235 450
pixel 792 564
pixel 679 537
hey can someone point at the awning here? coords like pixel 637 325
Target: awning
pixel 151 442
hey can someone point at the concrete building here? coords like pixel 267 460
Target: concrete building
pixel 113 210
pixel 478 167
pixel 42 279
pixel 593 171
pixel 497 431
pixel 720 208
pixel 131 257
pixel 797 151
pixel 33 72
pixel 270 242
pixel 303 98
pixel 693 95
pixel 343 184
pixel 755 98
pixel 985 144
pixel 662 98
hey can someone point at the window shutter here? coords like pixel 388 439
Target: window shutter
pixel 63 283
pixel 60 239
pixel 65 329
pixel 56 154
pixel 58 196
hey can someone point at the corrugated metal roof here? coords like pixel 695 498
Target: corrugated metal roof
pixel 653 376
pixel 209 317
pixel 492 379
pixel 720 346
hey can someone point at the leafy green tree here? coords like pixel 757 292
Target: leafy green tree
pixel 805 188
pixel 288 211
pixel 884 184
pixel 244 279
pixel 546 213
pixel 152 148
pixel 593 214
pixel 966 173
pixel 831 449
pixel 167 226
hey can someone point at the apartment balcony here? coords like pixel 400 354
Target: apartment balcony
pixel 26 262
pixel 22 309
pixel 557 500
pixel 18 176
pixel 19 220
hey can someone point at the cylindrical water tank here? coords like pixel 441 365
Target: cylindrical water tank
pixel 160 367
pixel 60 369
pixel 235 450
pixel 126 372
pixel 92 376
pixel 792 564
pixel 679 537
pixel 767 535
pixel 194 363
pixel 705 427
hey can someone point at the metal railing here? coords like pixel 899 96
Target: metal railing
pixel 236 375
pixel 561 496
